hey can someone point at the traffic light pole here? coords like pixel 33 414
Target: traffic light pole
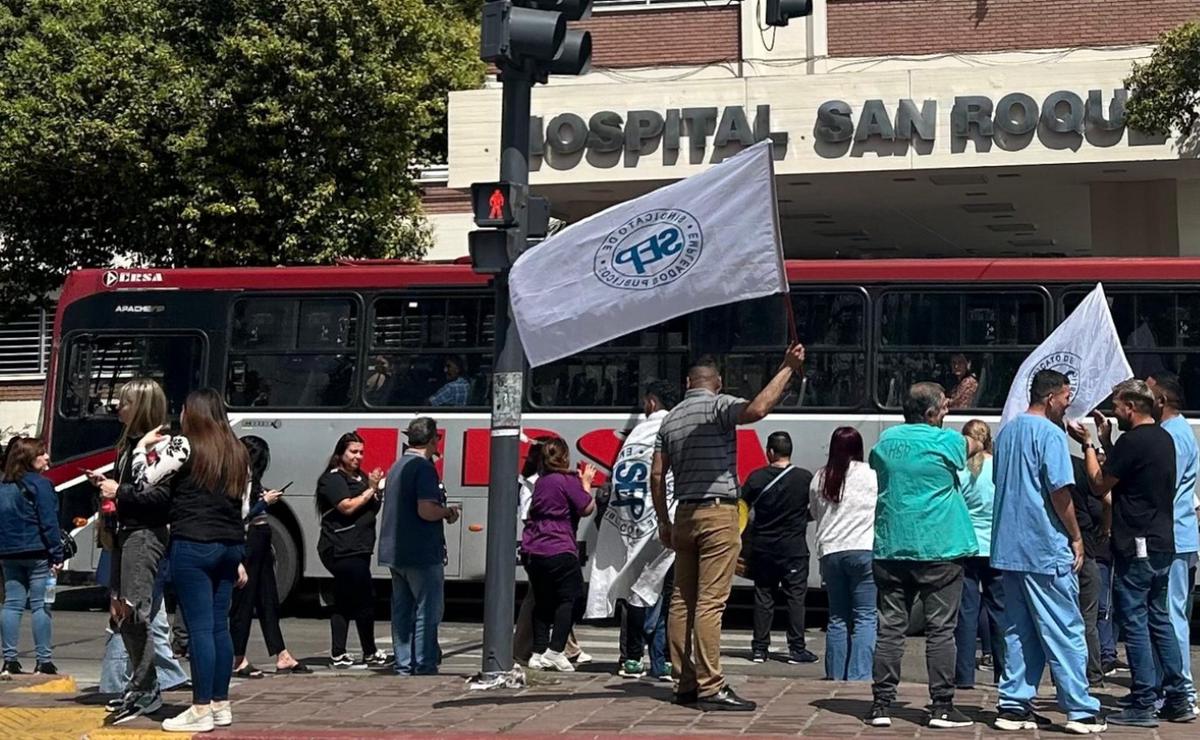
pixel 508 382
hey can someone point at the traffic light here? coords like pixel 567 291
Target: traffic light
pixel 516 32
pixel 779 12
pixel 497 204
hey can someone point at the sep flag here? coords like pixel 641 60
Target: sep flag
pixel 705 241
pixel 1087 349
pixel 630 562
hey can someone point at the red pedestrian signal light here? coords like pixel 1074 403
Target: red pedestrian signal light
pixel 497 204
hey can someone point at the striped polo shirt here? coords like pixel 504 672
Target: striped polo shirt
pixel 699 438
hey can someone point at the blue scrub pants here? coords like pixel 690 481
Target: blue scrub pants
pixel 1178 589
pixel 1042 624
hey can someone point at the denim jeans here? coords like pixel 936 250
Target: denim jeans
pixel 1043 625
pixel 115 669
pixel 850 636
pixel 656 627
pixel 204 574
pixel 1141 593
pixel 417 604
pixel 25 580
pixel 1105 623
pixel 982 589
pixel 1180 589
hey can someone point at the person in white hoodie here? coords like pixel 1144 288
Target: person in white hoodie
pixel 631 564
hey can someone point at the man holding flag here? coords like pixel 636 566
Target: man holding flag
pixel 698 444
pixel 1036 540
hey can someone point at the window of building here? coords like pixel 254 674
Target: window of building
pixel 1159 329
pixel 970 342
pixel 25 345
pixel 292 353
pixel 98 365
pixel 430 351
pixel 613 374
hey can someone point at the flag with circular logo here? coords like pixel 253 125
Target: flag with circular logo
pixel 1087 349
pixel 705 241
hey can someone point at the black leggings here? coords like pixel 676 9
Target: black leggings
pixel 557 585
pixel 353 600
pixel 260 595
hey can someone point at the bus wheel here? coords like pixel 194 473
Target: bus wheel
pixel 287 558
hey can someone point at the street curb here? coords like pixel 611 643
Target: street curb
pixel 401 735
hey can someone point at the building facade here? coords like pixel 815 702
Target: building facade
pixel 920 128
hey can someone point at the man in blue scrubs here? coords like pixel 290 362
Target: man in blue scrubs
pixel 1168 399
pixel 1037 544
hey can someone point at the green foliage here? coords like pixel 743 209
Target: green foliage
pixel 193 132
pixel 1164 92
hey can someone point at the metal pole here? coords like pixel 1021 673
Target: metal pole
pixel 508 384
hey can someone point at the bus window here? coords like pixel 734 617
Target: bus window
pixel 430 351
pixel 97 366
pixel 831 327
pixel 613 374
pixel 972 343
pixel 291 353
pixel 1159 329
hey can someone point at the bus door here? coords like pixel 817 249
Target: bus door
pixel 87 426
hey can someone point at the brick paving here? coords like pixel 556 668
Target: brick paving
pixel 592 705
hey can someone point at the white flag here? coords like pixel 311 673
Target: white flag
pixel 630 562
pixel 1087 349
pixel 705 241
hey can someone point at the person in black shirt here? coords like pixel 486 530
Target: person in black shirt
pixel 348 503
pixel 778 497
pixel 1094 516
pixel 1140 473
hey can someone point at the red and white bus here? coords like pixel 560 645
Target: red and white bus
pixel 303 354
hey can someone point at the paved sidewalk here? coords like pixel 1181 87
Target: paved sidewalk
pixel 594 705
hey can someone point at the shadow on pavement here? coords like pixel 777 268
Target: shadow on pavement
pixel 638 690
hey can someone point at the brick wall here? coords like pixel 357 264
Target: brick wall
pixel 893 27
pixel 651 38
pixel 20 392
pixel 437 198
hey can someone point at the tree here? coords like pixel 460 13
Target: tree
pixel 192 132
pixel 1164 91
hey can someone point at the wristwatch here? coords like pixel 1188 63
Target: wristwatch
pixel 1088 446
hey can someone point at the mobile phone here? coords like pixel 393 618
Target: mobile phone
pixel 286 485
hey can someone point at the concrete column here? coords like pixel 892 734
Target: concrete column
pixel 1136 219
pixel 1189 217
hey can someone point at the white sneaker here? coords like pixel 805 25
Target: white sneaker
pixel 581 659
pixel 222 713
pixel 191 720
pixel 537 662
pixel 557 662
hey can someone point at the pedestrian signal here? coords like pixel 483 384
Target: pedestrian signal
pixel 497 204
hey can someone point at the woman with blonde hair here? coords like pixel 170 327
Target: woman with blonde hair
pixel 136 548
pixel 981 582
pixel 204 474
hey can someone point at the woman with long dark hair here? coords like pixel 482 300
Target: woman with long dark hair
pixel 205 474
pixel 30 550
pixel 550 553
pixel 843 495
pixel 982 587
pixel 348 503
pixel 260 594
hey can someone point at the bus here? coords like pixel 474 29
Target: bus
pixel 303 354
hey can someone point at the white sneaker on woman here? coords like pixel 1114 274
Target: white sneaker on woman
pixel 191 720
pixel 557 662
pixel 222 713
pixel 537 662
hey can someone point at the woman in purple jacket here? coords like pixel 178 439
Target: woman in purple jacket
pixel 550 554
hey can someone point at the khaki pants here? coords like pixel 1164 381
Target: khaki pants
pixel 523 635
pixel 707 544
